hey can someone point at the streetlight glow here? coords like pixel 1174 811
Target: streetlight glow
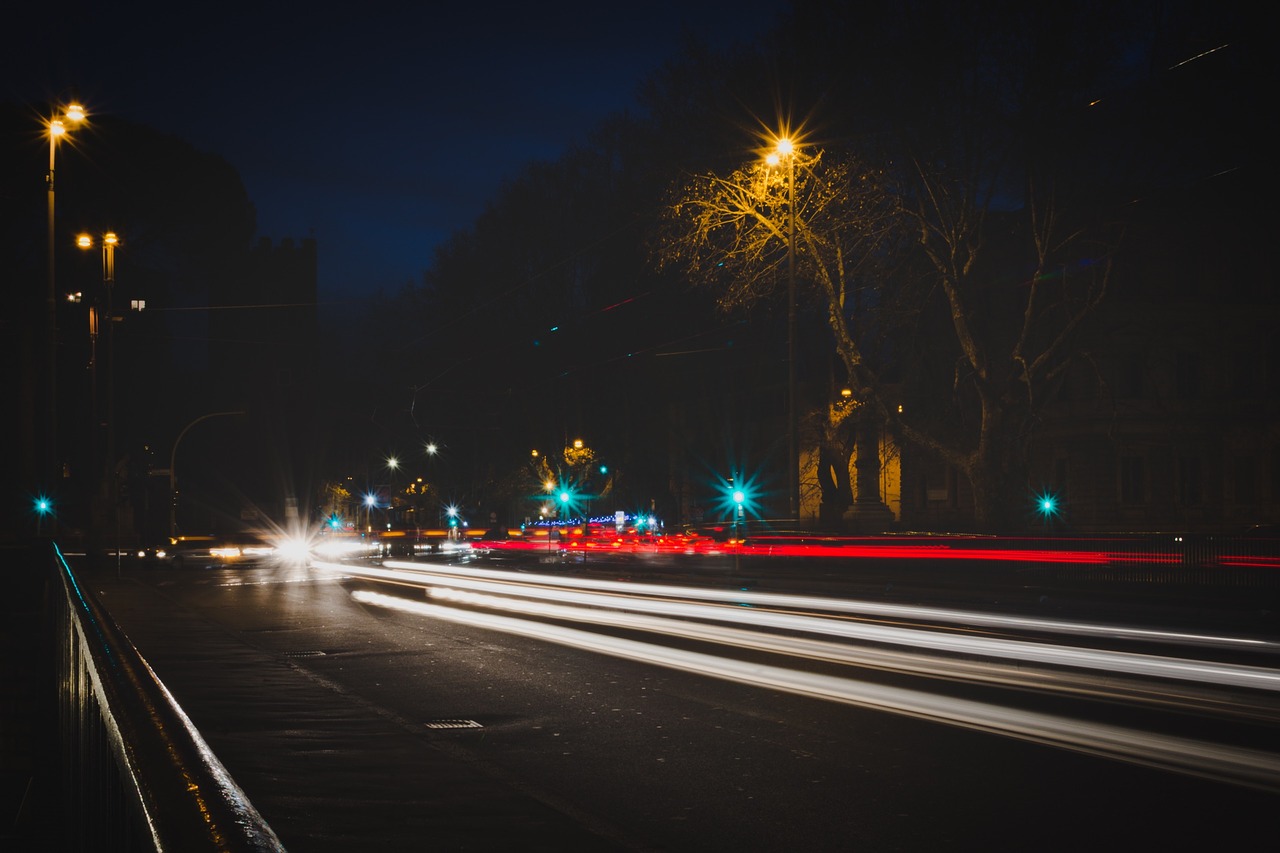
pixel 785 149
pixel 57 129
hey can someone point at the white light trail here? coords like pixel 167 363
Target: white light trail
pixel 1109 661
pixel 967 618
pixel 1009 675
pixel 1236 765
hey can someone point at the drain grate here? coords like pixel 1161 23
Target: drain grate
pixel 453 724
pixel 312 653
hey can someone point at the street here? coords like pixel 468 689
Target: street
pixel 359 711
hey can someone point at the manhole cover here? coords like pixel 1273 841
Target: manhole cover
pixel 453 724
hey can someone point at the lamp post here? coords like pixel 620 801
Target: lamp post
pixel 785 150
pixel 56 129
pixel 109 242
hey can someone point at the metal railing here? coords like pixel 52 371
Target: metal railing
pixel 135 773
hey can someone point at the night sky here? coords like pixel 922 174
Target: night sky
pixel 378 128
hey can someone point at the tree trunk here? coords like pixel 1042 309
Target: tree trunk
pixel 997 474
pixel 833 478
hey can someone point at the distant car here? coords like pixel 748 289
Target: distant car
pixel 200 552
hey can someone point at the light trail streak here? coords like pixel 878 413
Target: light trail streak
pixel 1225 763
pixel 1009 675
pixel 967 618
pixel 1153 666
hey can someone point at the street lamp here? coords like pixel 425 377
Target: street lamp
pixel 785 150
pixel 56 128
pixel 109 242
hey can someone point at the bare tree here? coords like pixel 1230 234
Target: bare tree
pixel 831 216
pixel 1015 294
pixel 1011 310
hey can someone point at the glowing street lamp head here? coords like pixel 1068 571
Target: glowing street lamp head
pixel 393 463
pixel 109 240
pixel 58 126
pixel 370 500
pixel 785 147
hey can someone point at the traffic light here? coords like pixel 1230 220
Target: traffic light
pixel 738 498
pixel 1048 506
pixel 42 506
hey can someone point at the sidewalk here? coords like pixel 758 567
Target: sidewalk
pixel 326 772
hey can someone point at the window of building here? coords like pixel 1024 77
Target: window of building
pixel 1133 480
pixel 1246 489
pixel 1272 371
pixel 1130 377
pixel 1186 375
pixel 1275 475
pixel 1060 475
pixel 1245 375
pixel 1189 483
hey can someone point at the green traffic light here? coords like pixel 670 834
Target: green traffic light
pixel 1047 504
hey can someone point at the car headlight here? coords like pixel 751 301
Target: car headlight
pixel 293 549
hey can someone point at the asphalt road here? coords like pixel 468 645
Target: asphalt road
pixel 356 726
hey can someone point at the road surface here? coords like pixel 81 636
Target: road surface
pixel 362 715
